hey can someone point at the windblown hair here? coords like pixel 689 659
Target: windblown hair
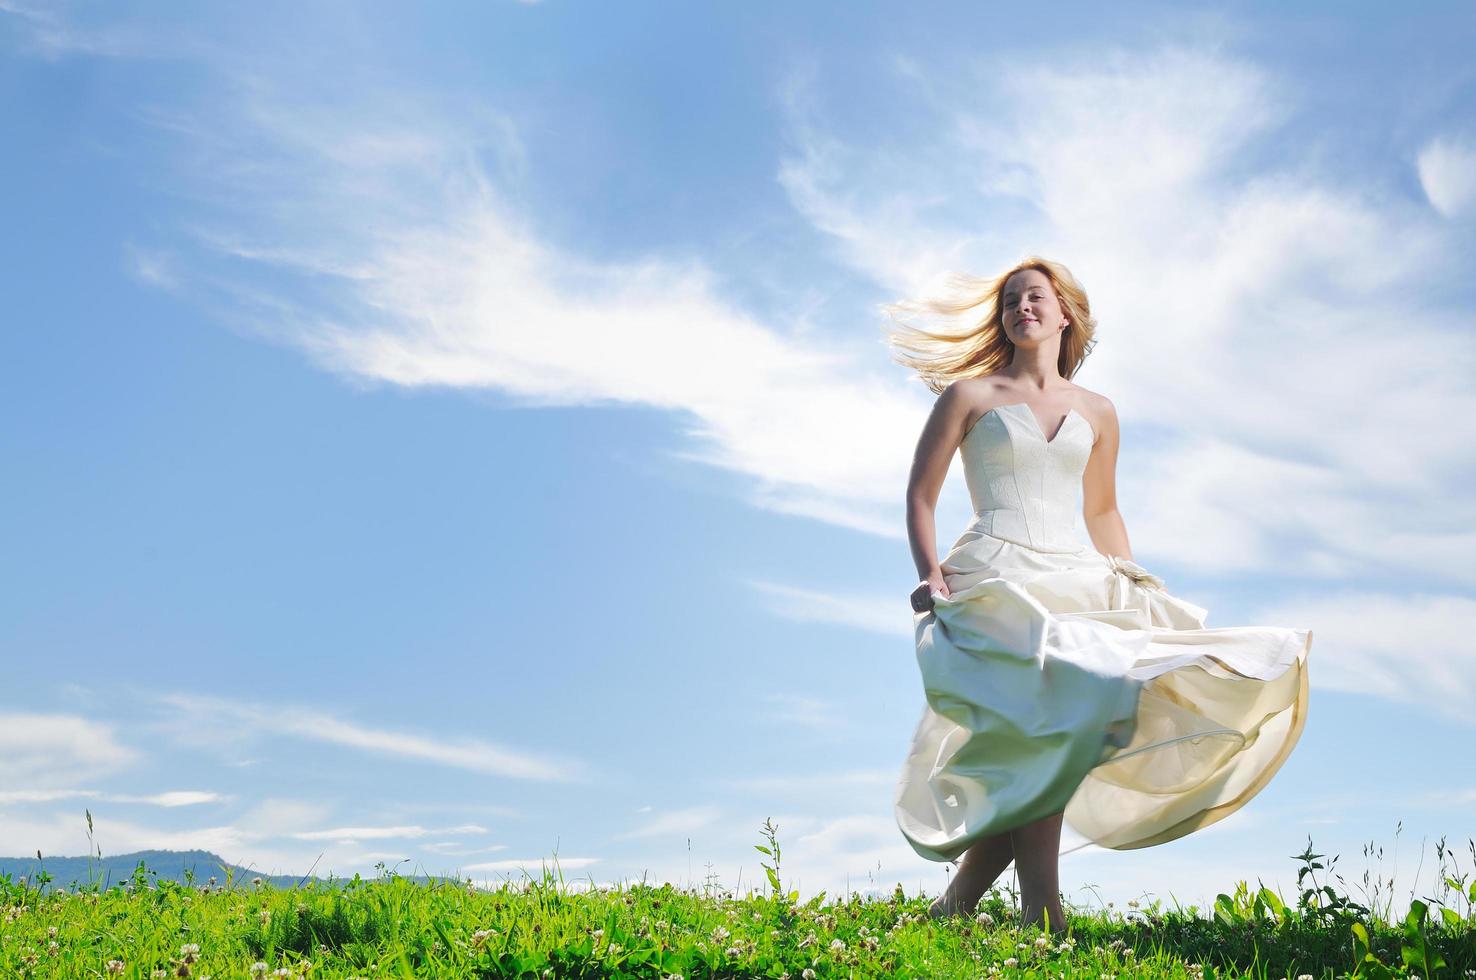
pixel 980 347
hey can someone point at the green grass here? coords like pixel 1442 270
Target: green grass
pixel 393 927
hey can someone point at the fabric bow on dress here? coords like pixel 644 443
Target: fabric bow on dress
pixel 1135 572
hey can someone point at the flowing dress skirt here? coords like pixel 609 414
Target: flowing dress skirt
pixel 1074 681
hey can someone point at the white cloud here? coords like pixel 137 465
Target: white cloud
pixel 815 716
pixel 408 832
pixel 674 823
pixel 422 274
pixel 476 755
pixel 172 798
pixel 41 751
pixel 1447 169
pixel 1160 173
pixel 533 866
pixel 885 614
pixel 457 849
pixel 1244 302
pixel 1416 648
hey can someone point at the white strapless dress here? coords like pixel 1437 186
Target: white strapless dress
pixel 1058 678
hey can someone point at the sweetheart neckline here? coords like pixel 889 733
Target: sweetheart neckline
pixel 1035 423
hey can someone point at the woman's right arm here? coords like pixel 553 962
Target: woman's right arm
pixel 940 437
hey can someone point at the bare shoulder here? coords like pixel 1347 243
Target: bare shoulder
pixel 1098 409
pixel 975 396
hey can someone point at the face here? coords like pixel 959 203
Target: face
pixel 1029 307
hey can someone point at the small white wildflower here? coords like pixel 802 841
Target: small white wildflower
pixel 256 880
pixel 984 919
pixel 1306 976
pixel 809 974
pixel 117 966
pixel 837 945
pixel 258 968
pixel 1132 903
pixel 1012 962
pixel 1041 942
pixel 719 934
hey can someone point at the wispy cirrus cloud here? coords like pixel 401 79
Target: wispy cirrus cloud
pixel 41 751
pixel 171 798
pixel 673 823
pixel 408 832
pixel 189 712
pixel 1245 300
pixel 1447 170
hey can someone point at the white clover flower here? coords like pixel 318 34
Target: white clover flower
pixel 809 974
pixel 258 968
pixel 1012 962
pixel 1042 942
pixel 117 966
pixel 984 919
pixel 718 934
pixel 837 945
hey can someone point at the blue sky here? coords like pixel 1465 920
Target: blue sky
pixel 464 434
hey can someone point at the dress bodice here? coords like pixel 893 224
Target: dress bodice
pixel 1024 487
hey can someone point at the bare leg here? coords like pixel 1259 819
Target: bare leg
pixel 981 865
pixel 1037 849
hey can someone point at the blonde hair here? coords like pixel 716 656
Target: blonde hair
pixel 941 357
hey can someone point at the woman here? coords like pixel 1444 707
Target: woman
pixel 1062 681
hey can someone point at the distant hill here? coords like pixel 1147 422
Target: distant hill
pixel 69 872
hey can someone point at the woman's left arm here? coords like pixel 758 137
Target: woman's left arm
pixel 1099 487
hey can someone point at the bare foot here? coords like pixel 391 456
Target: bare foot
pixel 959 898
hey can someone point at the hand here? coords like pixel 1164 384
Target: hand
pixel 922 596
